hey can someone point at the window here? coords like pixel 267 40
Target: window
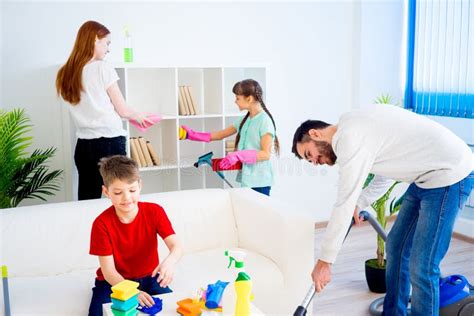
pixel 440 57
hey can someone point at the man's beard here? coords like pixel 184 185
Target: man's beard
pixel 325 149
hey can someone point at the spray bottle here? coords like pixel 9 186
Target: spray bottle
pixel 127 49
pixel 242 286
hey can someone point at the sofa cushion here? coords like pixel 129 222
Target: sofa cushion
pixel 202 219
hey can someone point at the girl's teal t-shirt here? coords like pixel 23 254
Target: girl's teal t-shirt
pixel 261 173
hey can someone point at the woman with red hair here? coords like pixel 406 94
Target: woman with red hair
pixel 97 106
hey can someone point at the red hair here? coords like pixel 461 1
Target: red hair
pixel 69 78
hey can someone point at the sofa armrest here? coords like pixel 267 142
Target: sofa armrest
pixel 270 228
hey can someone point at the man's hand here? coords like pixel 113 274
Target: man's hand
pixel 321 275
pixel 356 216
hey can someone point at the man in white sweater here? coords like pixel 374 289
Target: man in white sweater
pixel 395 143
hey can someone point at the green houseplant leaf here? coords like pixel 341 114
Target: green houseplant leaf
pixel 22 176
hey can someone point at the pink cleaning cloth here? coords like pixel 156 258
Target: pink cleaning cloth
pixel 154 118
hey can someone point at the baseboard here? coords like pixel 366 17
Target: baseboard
pixel 463 237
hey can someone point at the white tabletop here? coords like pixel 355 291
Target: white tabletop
pixel 170 306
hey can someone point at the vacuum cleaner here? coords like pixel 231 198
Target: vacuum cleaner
pixel 456 295
pixel 207 159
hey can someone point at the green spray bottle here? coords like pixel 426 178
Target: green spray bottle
pixel 127 48
pixel 242 284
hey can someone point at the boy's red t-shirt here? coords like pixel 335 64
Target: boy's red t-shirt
pixel 134 246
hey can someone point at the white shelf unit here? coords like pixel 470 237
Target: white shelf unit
pixel 155 89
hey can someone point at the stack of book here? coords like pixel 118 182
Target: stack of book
pixel 187 103
pixel 143 152
pixel 229 146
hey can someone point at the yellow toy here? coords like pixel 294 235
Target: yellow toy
pixel 182 133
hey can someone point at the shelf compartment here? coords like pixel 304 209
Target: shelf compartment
pixel 160 181
pixel 152 90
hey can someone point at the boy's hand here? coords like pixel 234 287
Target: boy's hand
pixel 166 273
pixel 145 299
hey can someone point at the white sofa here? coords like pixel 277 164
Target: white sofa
pixel 51 273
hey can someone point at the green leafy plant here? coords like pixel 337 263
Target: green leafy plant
pixel 380 208
pixel 22 176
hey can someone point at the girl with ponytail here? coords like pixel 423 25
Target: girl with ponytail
pixel 256 137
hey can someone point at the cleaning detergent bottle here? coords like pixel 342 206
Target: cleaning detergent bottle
pixel 242 286
pixel 127 48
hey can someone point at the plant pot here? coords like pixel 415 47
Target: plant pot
pixel 375 276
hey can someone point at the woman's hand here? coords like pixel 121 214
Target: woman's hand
pixel 142 119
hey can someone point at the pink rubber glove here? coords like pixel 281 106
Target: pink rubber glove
pixel 149 120
pixel 248 156
pixel 196 136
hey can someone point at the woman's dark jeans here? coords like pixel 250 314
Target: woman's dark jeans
pixel 87 156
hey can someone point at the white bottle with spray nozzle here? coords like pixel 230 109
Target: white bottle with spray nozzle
pixel 127 49
pixel 236 299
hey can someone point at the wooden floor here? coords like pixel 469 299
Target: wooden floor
pixel 348 293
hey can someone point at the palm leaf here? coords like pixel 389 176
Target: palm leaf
pixel 23 177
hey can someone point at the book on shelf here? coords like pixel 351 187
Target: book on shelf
pixel 230 143
pixel 186 101
pixel 134 152
pixel 183 109
pixel 192 100
pixel 137 147
pixel 154 156
pixel 142 151
pixel 146 153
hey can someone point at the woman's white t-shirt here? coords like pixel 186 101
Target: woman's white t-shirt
pixel 95 116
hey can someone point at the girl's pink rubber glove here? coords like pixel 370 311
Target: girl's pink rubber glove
pixel 196 136
pixel 248 156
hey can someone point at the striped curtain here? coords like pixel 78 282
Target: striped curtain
pixel 440 59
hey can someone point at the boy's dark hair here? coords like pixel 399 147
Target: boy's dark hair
pixel 250 87
pixel 118 167
pixel 302 131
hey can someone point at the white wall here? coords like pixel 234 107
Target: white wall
pixel 324 57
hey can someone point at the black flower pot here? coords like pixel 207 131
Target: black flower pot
pixel 375 276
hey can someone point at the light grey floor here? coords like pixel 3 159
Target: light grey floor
pixel 348 293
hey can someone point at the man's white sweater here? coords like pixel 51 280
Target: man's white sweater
pixel 394 143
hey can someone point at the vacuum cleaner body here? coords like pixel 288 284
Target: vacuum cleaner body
pixel 456 296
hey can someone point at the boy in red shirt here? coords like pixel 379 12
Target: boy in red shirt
pixel 124 237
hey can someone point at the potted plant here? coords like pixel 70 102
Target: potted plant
pixel 375 268
pixel 22 176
